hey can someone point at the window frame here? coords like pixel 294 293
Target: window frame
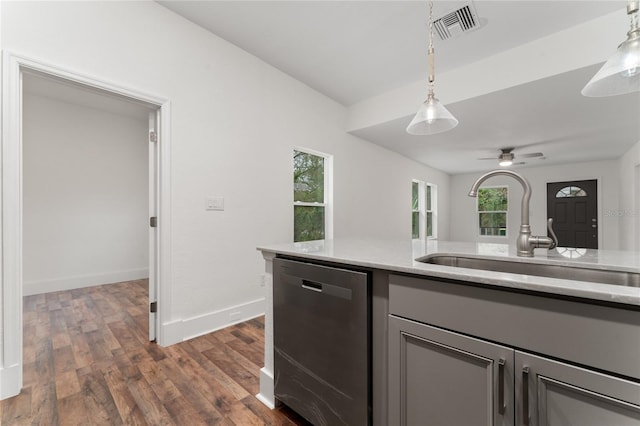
pixel 433 210
pixel 506 213
pixel 327 203
pixel 423 211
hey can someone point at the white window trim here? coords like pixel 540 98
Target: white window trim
pixel 506 212
pixel 434 211
pixel 328 190
pixel 422 209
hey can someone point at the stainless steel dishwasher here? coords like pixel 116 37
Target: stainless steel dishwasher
pixel 321 342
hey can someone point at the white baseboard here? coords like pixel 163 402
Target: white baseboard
pixel 207 323
pixel 266 395
pixel 69 283
pixel 170 333
pixel 181 330
pixel 10 381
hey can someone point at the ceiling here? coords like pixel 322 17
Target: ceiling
pixel 555 119
pixel 355 50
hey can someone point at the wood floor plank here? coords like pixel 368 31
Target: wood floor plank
pixel 130 412
pixel 80 348
pixel 164 388
pixel 87 360
pixel 193 394
pixel 266 415
pixel 72 411
pixel 225 351
pixel 98 399
pixel 209 387
pixel 152 409
pixel 216 372
pixel 63 360
pixel 16 410
pixel 241 415
pixel 67 384
pixel 44 410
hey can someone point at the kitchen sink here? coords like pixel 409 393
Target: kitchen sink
pixel 564 271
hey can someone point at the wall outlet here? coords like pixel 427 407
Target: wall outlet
pixel 214 203
pixel 262 280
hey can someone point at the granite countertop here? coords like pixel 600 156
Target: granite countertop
pixel 400 255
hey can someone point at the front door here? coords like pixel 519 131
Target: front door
pixel 573 206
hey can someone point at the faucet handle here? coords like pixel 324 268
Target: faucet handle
pixel 553 234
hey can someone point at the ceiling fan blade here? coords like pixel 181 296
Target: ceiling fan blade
pixel 531 155
pixel 488 158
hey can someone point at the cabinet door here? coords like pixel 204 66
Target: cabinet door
pixel 551 393
pixel 440 378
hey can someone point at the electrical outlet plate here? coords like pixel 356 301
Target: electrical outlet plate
pixel 214 203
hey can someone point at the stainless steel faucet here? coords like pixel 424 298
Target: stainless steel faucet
pixel 525 242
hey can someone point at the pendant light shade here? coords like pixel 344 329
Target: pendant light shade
pixel 621 73
pixel 432 117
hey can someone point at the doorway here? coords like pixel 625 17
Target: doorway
pixel 573 206
pixel 15 68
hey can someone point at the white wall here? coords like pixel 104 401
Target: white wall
pixel 628 214
pixel 463 208
pixel 235 121
pixel 85 214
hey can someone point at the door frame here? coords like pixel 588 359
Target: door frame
pixel 599 201
pixel 13 67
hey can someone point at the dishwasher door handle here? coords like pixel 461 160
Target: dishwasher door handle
pixel 310 285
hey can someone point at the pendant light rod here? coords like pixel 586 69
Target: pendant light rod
pixel 432 117
pixel 430 51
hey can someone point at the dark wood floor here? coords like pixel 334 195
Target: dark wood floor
pixel 87 361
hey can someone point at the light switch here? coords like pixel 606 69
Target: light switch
pixel 214 203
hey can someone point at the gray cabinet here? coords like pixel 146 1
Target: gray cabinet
pixel 553 393
pixel 443 378
pixel 462 355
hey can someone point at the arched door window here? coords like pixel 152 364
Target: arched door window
pixel 571 191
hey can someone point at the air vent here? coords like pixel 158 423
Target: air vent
pixel 457 22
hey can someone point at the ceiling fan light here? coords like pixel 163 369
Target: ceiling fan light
pixel 431 118
pixel 505 159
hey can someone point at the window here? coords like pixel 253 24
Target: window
pixel 415 210
pixel 311 196
pixel 431 200
pixel 493 204
pixel 570 192
pixel 423 210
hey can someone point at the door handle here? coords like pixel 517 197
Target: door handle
pixel 501 403
pixel 525 396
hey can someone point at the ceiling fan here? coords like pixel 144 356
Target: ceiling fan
pixel 507 156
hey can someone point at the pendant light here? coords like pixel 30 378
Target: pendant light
pixel 432 117
pixel 621 73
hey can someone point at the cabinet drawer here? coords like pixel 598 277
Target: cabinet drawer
pixel 602 337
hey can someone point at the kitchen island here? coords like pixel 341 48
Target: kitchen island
pixel 486 306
